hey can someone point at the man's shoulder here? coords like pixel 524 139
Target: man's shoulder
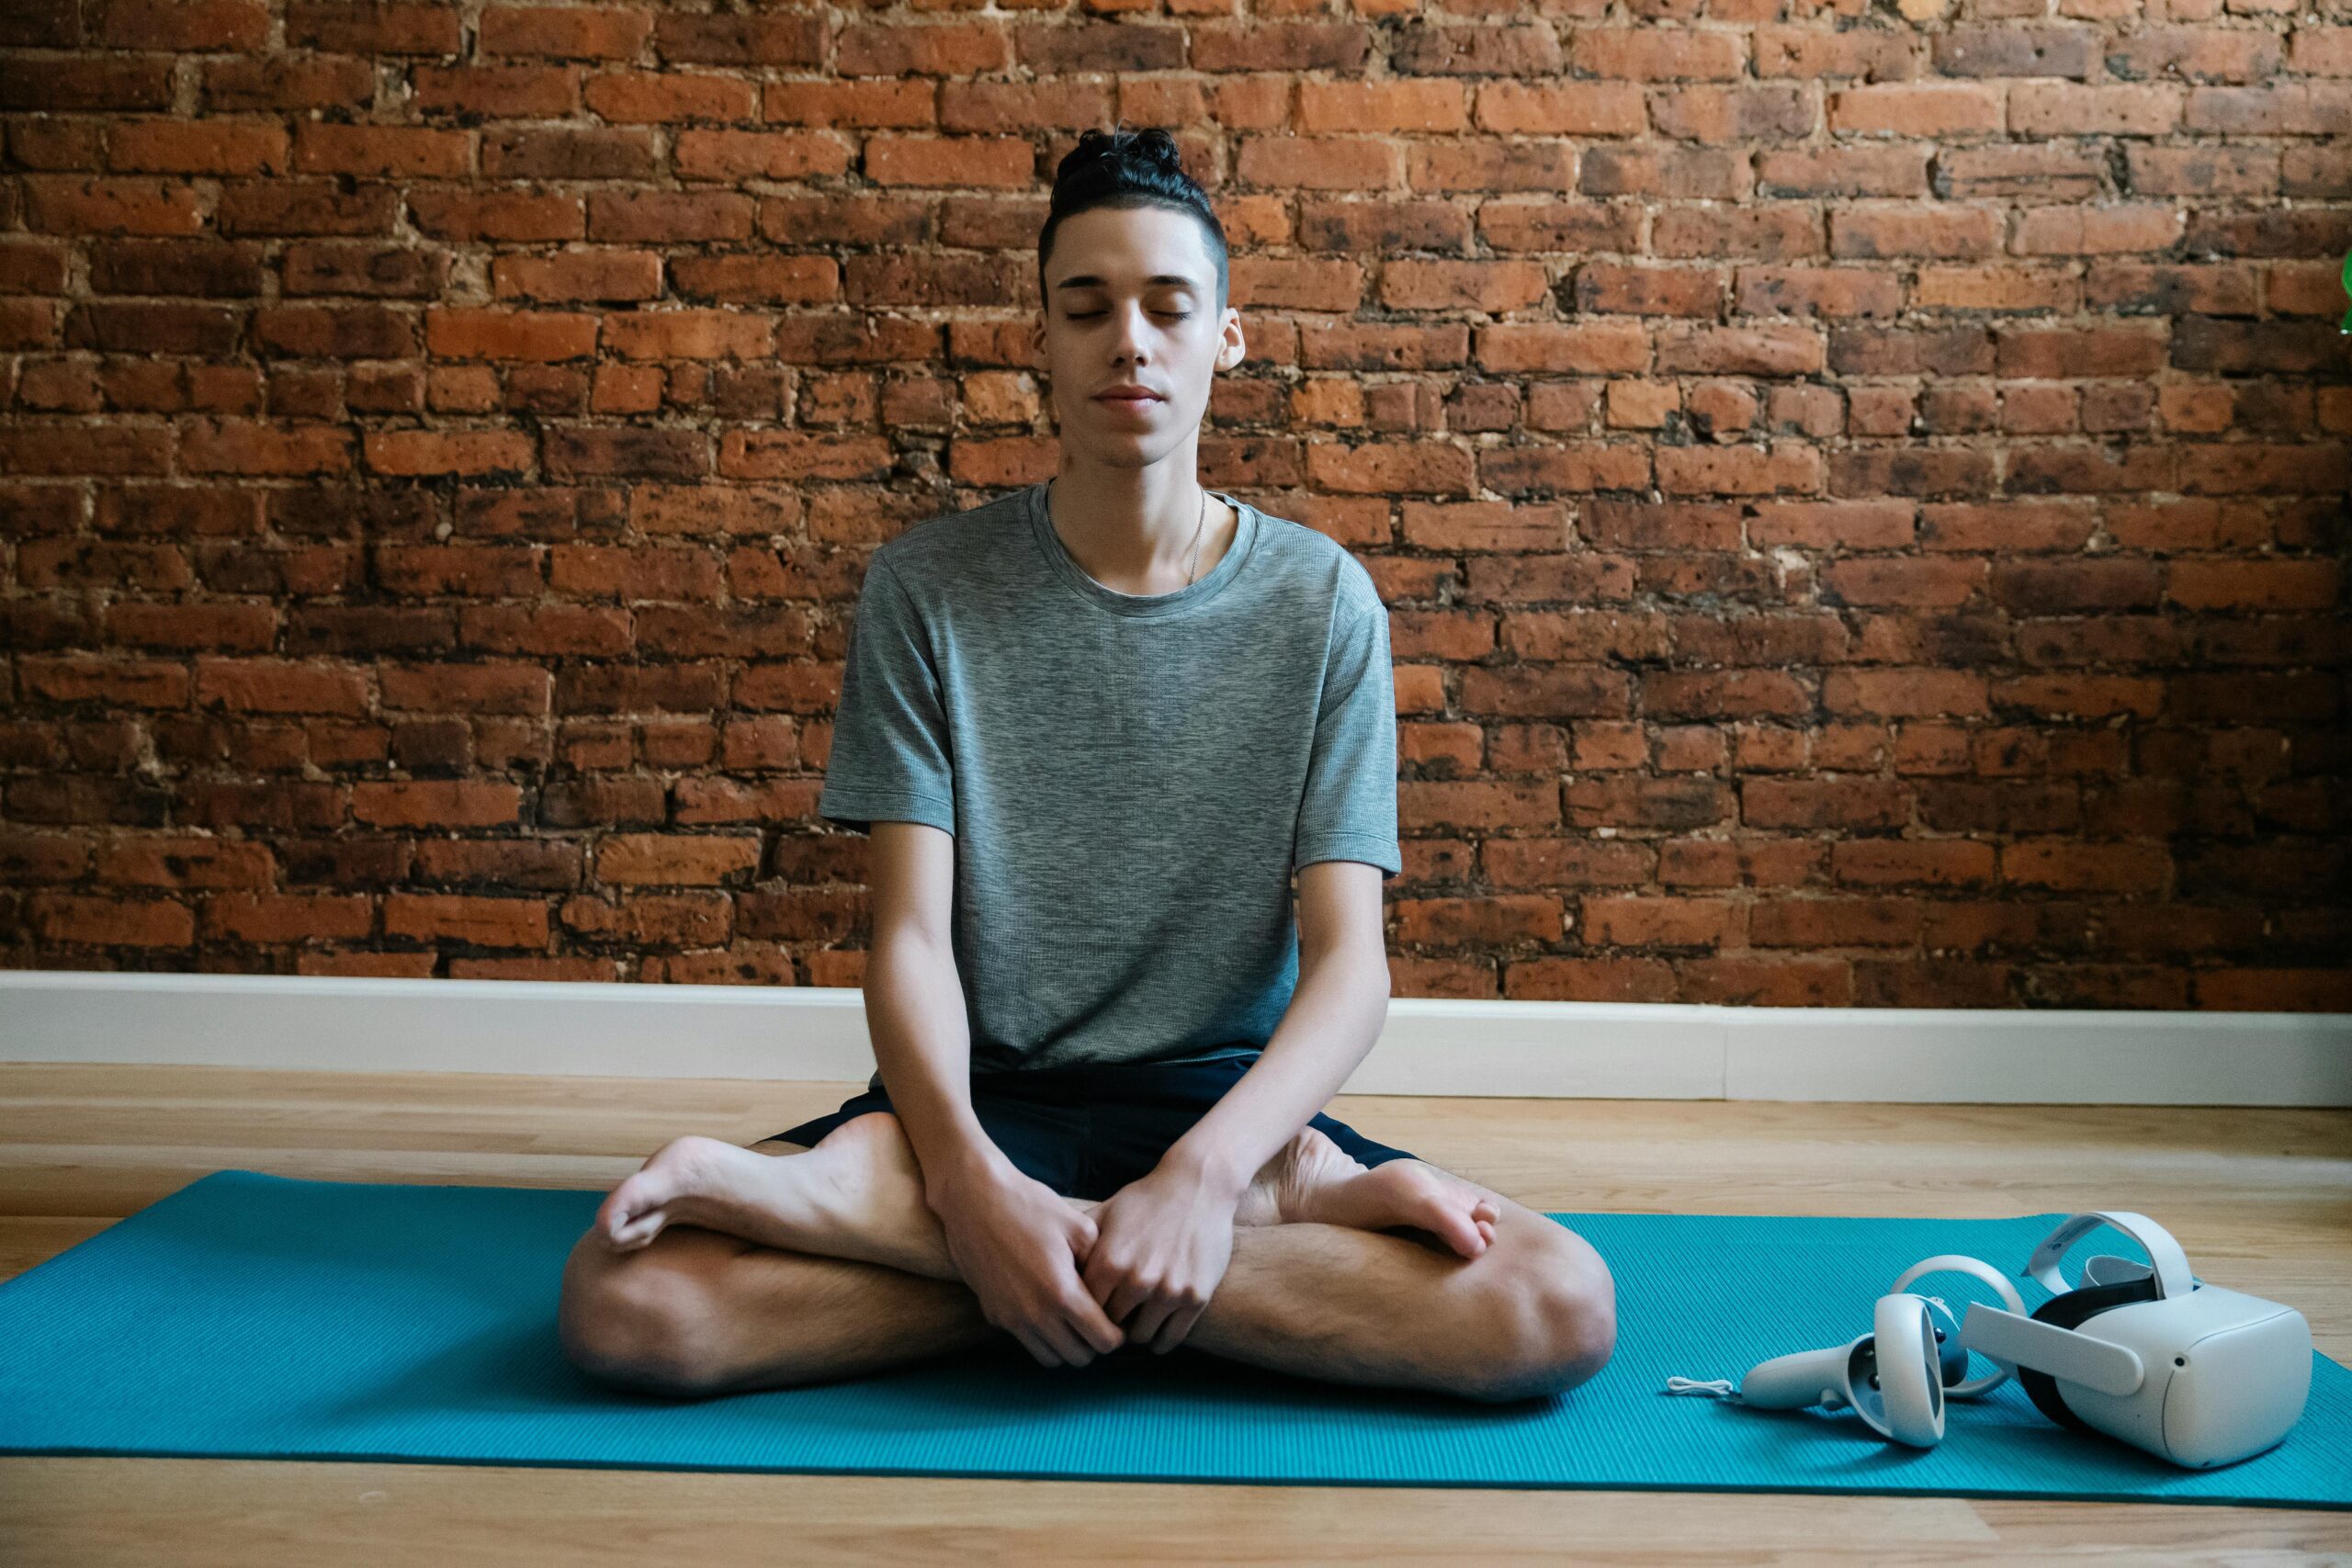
pixel 1305 551
pixel 946 543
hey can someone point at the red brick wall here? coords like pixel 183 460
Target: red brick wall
pixel 1859 489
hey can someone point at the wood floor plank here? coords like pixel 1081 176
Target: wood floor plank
pixel 2262 1199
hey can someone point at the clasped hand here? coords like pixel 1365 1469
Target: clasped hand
pixel 1161 1245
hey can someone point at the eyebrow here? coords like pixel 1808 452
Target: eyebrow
pixel 1088 280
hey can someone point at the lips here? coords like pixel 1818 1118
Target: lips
pixel 1126 400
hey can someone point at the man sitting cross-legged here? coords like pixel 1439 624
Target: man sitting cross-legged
pixel 1094 729
pixel 717 1269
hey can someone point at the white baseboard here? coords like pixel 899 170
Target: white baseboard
pixel 1430 1045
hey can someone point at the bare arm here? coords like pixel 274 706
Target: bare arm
pixel 1016 1242
pixel 1334 1017
pixel 914 1001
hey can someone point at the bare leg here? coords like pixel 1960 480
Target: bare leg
pixel 859 1194
pixel 702 1312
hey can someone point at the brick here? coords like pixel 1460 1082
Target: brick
pixel 360 27
pixel 386 151
pixel 1656 54
pixel 1867 230
pixel 1749 350
pixel 2049 108
pixel 1817 291
pixel 2065 352
pixel 2095 231
pixel 1844 171
pixel 1836 922
pixel 277 82
pixel 1868 54
pixel 2209 54
pixel 530 336
pixel 70 205
pixel 671 97
pixel 1382 107
pixel 1633 921
pixel 1469 165
pixel 1933 862
pixel 2037 172
pixel 476 453
pixel 1725 114
pixel 179 147
pixel 2092 867
pixel 1696 173
pixel 1648 291
pixel 1774 232
pixel 2292 108
pixel 1926 110
pixel 2017 50
pixel 796 41
pixel 1782 468
pixel 1561 108
pixel 1995 288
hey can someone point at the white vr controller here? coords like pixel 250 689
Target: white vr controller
pixel 2191 1373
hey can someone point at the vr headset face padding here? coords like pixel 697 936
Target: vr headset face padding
pixel 2072 1309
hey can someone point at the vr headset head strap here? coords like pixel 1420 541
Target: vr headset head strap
pixel 2168 1264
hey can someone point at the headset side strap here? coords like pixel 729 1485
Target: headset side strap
pixel 2068 1354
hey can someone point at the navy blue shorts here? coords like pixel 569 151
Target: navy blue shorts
pixel 1087 1130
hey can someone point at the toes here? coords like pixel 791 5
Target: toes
pixel 632 1226
pixel 1461 1233
pixel 639 1234
pixel 634 1212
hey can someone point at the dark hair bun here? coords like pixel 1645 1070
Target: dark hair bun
pixel 1152 148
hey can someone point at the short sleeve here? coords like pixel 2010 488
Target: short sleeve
pixel 890 758
pixel 1349 808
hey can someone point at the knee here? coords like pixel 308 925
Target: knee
pixel 631 1320
pixel 1559 1312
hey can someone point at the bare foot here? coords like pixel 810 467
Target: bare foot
pixel 857 1194
pixel 1313 1178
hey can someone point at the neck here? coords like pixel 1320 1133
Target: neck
pixel 1138 525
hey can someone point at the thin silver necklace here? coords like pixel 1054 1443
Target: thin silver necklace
pixel 1191 574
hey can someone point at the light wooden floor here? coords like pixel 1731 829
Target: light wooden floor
pixel 2261 1199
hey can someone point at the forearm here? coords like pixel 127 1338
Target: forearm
pixel 1334 1018
pixel 922 1045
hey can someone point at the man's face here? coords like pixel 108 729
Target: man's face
pixel 1131 298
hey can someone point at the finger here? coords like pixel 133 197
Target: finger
pixel 1106 1277
pixel 1152 1316
pixel 1125 1296
pixel 1067 1345
pixel 1084 1315
pixel 1179 1326
pixel 1035 1345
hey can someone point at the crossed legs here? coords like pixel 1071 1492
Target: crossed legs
pixel 758 1281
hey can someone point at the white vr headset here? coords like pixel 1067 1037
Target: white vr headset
pixel 2142 1352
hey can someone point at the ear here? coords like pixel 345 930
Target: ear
pixel 1232 349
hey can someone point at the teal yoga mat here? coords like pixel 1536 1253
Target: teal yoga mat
pixel 249 1315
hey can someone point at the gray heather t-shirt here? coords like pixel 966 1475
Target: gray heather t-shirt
pixel 1130 779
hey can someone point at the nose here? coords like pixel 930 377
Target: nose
pixel 1128 346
